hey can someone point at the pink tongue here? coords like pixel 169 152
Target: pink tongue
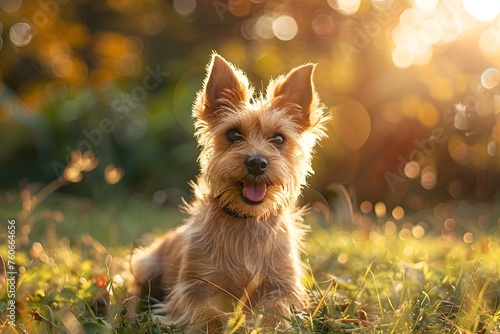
pixel 254 192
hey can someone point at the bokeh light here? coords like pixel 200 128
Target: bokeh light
pixel 113 174
pixel 10 6
pixel 366 207
pixel 398 213
pixel 159 197
pixel 347 7
pixel 492 148
pixel 490 78
pixel 428 115
pixel 285 27
pixel 449 224
pixel 428 177
pixel 185 7
pixel 342 258
pixel 408 250
pixel 468 238
pixel 21 34
pixel 62 67
pixel 455 188
pixel 323 25
pixel 418 231
pixel 459 150
pixel 239 8
pixel 390 228
pixel 412 169
pixel 489 41
pixel 352 123
pixel 380 209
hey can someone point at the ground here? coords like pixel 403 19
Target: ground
pixel 371 275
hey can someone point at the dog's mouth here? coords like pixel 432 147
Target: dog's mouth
pixel 254 192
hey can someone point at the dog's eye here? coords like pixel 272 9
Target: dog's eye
pixel 234 136
pixel 277 139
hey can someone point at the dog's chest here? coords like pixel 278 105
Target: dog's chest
pixel 251 255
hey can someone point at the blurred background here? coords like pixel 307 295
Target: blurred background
pixel 413 87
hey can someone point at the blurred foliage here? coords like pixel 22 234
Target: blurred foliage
pixel 412 85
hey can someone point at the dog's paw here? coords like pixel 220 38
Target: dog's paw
pixel 192 318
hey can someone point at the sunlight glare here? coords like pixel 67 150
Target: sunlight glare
pixel 424 55
pixel 430 31
pixel 402 56
pixel 425 5
pixel 430 23
pixel 482 10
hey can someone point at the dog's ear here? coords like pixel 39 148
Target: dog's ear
pixel 226 89
pixel 296 92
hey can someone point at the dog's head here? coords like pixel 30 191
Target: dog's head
pixel 256 152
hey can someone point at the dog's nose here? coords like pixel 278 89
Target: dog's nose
pixel 257 165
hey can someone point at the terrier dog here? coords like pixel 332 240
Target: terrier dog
pixel 242 241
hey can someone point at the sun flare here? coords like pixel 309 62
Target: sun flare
pixel 482 10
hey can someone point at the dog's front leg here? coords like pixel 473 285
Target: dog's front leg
pixel 277 307
pixel 276 312
pixel 189 306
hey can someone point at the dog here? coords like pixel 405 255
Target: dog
pixel 241 243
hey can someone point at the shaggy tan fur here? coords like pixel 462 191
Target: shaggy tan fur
pixel 243 238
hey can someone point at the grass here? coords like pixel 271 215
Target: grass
pixel 434 274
